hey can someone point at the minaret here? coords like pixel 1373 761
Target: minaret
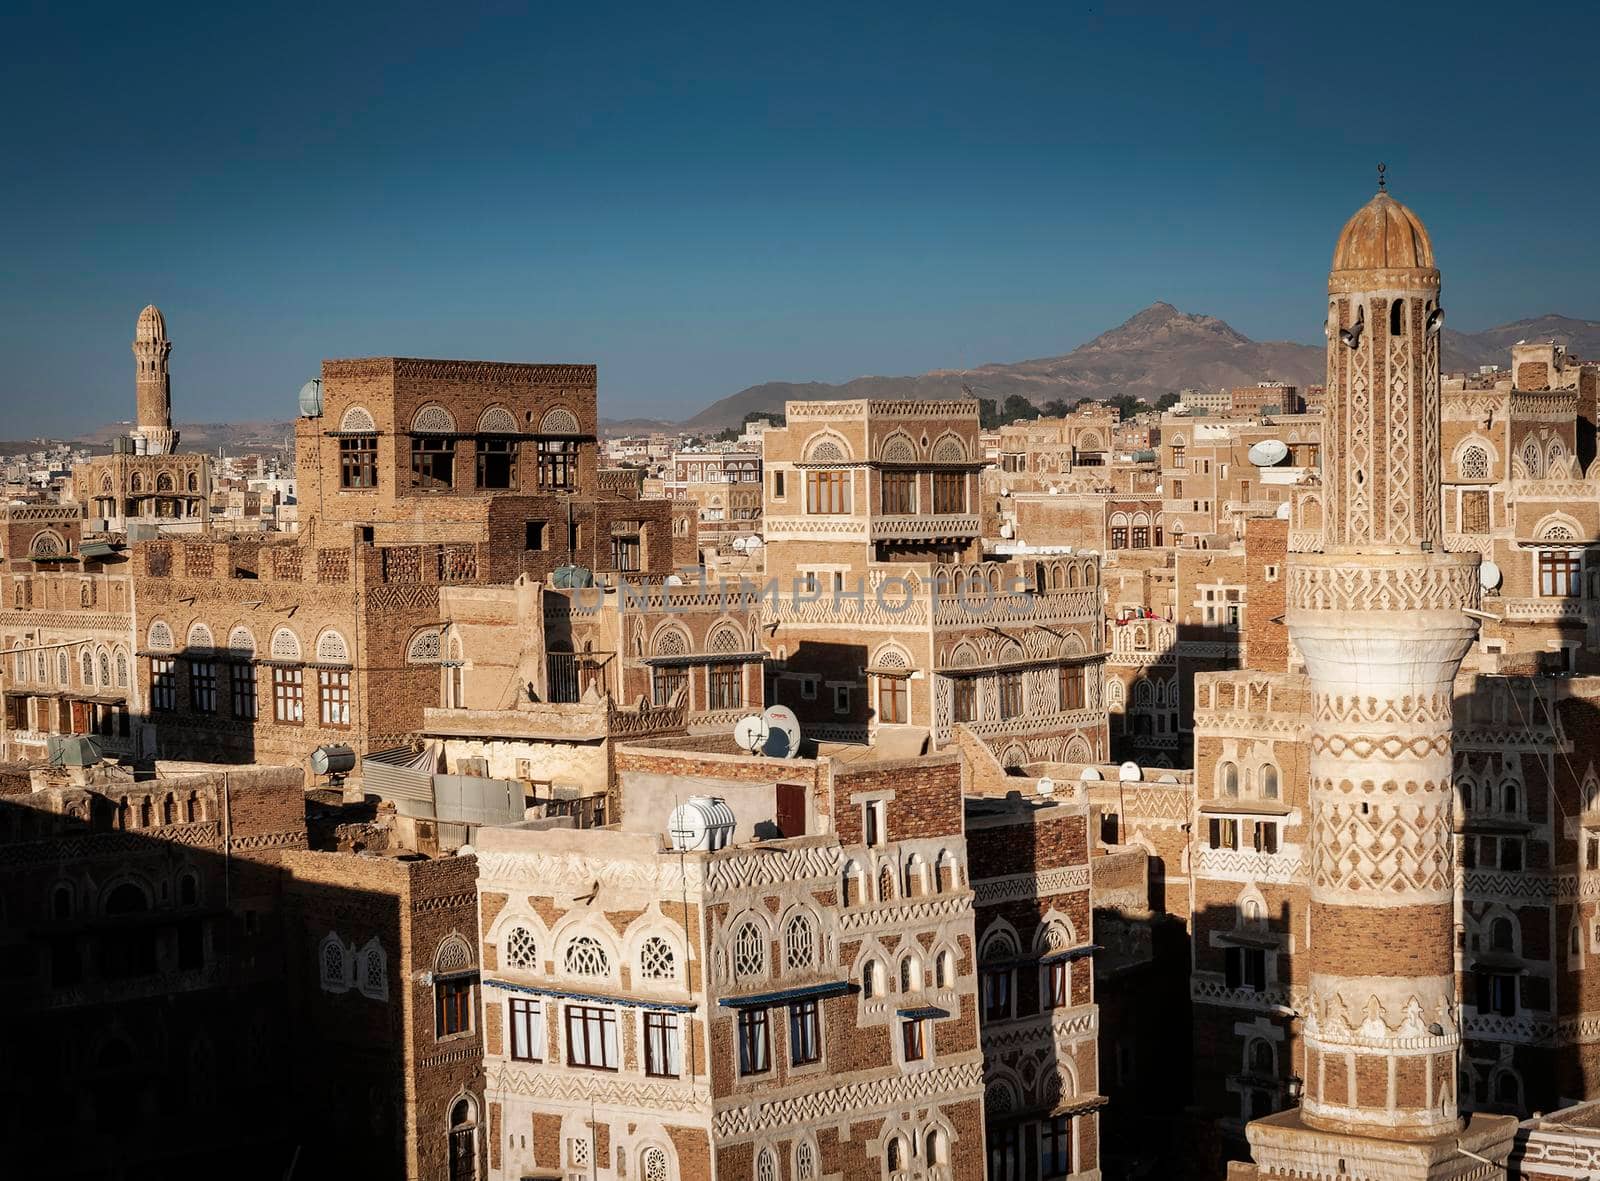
pixel 153 427
pixel 1381 617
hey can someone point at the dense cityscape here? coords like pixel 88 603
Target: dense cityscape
pixel 878 788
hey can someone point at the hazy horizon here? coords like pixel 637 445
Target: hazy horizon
pixel 699 201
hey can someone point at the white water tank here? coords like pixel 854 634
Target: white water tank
pixel 700 824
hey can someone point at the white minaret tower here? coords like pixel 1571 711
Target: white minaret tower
pixel 1381 617
pixel 153 433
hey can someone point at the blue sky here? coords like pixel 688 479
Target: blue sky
pixel 700 197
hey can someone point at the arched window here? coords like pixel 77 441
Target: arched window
pixel 766 1166
pixel 653 1165
pixel 1269 782
pixel 433 420
pixel 799 943
pixel 61 902
pixel 188 889
pixel 915 880
pixel 285 645
pixel 122 669
pixel 1474 463
pixel 871 979
pixel 558 420
pixel 935 1150
pixel 374 971
pixel 85 594
pixel 585 957
pixel 424 647
pixel 805 1161
pixel 1500 935
pixel 194 482
pixel 944 970
pixel 331 961
pixel 656 961
pixel 850 884
pixel 357 420
pixel 1508 1089
pixel 88 667
pixel 1260 1058
pixel 126 899
pixel 160 636
pixel 749 951
pixel 1510 799
pixel 164 482
pixel 522 949
pixel 497 420
pixel 1532 459
pixel 894 1154
pixel 1228 777
pixel 331 648
pixel 463 1140
pixel 885 884
pixel 63 667
pixel 910 974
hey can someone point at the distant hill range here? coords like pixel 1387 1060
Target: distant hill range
pixel 233 437
pixel 1160 350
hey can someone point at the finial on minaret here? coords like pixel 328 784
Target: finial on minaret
pixel 1382 168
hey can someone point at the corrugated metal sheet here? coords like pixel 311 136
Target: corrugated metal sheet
pixel 471 799
pixel 403 775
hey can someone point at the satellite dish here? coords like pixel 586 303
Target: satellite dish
pixel 673 580
pixel 783 732
pixel 751 733
pixel 1283 511
pixel 1005 529
pixel 1005 492
pixel 1046 786
pixel 1268 452
pixel 1489 575
pixel 739 544
pixel 1129 772
pixel 311 399
pixel 1091 775
pixel 1168 779
pixel 753 542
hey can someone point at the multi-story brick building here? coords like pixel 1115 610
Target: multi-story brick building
pixel 1029 858
pixel 384 950
pixel 725 487
pixel 888 620
pixel 144 970
pixel 801 1003
pixel 66 626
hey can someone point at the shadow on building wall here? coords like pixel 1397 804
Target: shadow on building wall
pixel 171 1012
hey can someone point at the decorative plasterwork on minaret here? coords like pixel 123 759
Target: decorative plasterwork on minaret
pixel 1381 617
pixel 153 431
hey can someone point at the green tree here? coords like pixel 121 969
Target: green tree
pixel 1017 409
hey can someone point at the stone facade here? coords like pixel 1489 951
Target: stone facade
pixel 887 618
pixel 800 1007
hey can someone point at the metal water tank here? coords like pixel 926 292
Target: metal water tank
pixel 332 760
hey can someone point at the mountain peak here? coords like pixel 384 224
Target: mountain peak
pixel 1161 323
